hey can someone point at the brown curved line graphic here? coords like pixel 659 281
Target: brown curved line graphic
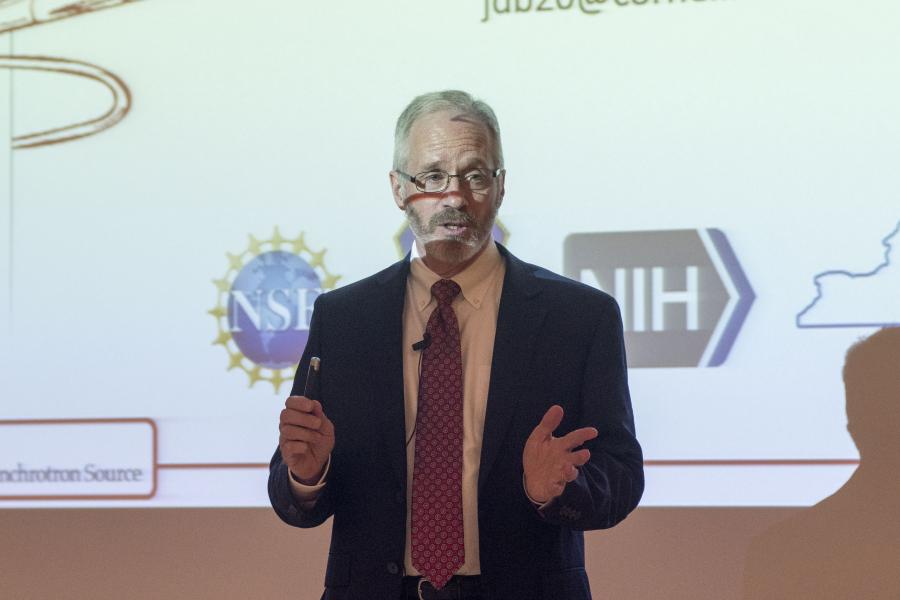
pixel 74 8
pixel 120 106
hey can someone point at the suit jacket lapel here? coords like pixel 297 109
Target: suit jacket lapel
pixel 387 311
pixel 518 322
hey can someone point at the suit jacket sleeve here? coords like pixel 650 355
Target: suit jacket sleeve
pixel 286 506
pixel 610 484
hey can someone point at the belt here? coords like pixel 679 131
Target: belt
pixel 460 587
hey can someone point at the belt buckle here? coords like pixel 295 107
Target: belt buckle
pixel 420 591
pixel 435 593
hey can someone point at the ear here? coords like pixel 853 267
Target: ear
pixel 501 185
pixel 397 190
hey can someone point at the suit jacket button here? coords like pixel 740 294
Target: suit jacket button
pixel 393 568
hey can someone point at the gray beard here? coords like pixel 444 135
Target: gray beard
pixel 451 250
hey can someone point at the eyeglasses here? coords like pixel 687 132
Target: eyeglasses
pixel 433 182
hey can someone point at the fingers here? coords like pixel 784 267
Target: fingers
pixel 297 456
pixel 306 437
pixel 576 438
pixel 304 412
pixel 304 404
pixel 317 409
pixel 581 457
pixel 557 489
pixel 302 423
pixel 572 461
pixel 550 421
pixel 299 419
pixel 292 449
pixel 291 433
pixel 557 463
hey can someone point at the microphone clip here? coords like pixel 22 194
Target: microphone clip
pixel 423 343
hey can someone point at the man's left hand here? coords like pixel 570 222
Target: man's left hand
pixel 551 462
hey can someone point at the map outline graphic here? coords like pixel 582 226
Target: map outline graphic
pixel 817 280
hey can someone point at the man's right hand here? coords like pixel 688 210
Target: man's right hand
pixel 306 440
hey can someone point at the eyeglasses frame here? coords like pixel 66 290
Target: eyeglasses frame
pixel 495 173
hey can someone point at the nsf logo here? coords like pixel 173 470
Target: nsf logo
pixel 265 303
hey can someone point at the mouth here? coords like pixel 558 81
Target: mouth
pixel 455 227
pixel 453 224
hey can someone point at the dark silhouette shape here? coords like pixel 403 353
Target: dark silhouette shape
pixel 848 545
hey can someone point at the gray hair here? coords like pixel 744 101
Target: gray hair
pixel 433 102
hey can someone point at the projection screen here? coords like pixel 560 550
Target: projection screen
pixel 180 179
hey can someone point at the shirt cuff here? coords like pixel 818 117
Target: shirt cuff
pixel 308 494
pixel 537 505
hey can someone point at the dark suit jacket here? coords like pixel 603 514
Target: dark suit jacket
pixel 557 342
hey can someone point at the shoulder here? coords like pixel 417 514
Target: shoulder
pixel 366 289
pixel 557 289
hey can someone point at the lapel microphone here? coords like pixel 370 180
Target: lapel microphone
pixel 423 343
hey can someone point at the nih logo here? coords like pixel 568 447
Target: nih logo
pixel 682 293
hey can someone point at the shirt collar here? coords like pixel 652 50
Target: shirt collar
pixel 474 280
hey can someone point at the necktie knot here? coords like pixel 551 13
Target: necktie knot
pixel 444 291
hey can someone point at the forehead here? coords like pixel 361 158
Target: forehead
pixel 449 138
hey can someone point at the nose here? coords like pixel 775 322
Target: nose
pixel 456 194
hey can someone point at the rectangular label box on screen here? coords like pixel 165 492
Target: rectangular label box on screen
pixel 78 459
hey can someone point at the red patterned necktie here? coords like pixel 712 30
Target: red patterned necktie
pixel 437 521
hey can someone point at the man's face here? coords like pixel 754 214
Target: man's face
pixel 452 226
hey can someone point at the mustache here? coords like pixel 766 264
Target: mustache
pixel 451 216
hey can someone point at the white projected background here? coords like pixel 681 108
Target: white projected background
pixel 772 125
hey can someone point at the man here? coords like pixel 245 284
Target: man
pixel 473 414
